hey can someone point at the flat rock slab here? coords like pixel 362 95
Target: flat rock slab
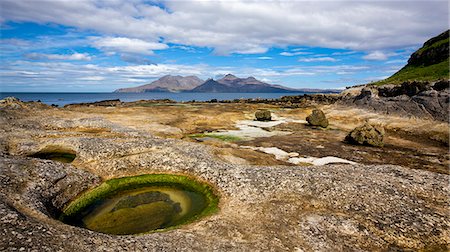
pixel 321 208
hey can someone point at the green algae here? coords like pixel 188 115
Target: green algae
pixel 60 156
pixel 140 204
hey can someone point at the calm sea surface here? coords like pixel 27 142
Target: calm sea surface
pixel 67 98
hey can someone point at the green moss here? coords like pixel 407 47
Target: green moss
pixel 226 138
pixel 113 186
pixel 421 73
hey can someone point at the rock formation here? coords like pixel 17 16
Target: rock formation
pixel 367 134
pixel 263 115
pixel 317 118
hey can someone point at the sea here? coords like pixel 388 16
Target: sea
pixel 62 99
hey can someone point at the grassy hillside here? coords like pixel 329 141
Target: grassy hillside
pixel 429 63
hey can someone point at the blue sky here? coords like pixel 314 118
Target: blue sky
pixel 102 45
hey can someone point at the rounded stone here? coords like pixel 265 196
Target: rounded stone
pixel 263 115
pixel 317 118
pixel 367 134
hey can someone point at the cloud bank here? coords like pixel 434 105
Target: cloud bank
pixel 241 26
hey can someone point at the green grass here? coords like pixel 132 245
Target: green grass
pixel 434 45
pixel 226 138
pixel 114 186
pixel 421 73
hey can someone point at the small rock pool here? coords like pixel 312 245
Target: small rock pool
pixel 134 205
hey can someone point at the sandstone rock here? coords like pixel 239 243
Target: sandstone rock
pixel 367 134
pixel 263 115
pixel 317 118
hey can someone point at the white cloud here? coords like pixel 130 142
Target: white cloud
pixel 92 78
pixel 127 45
pixel 318 59
pixel 74 56
pixel 293 53
pixel 264 58
pixel 245 26
pixel 376 55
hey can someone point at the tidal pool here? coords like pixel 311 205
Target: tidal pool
pixel 60 156
pixel 141 204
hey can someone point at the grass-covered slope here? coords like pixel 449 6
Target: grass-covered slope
pixel 429 63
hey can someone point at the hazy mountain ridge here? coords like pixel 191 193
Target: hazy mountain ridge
pixel 167 83
pixel 227 84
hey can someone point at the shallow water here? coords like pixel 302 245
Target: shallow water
pixel 63 157
pixel 141 210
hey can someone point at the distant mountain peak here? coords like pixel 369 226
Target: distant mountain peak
pixel 229 77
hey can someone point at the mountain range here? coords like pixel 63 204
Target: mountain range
pixel 228 84
pixel 167 83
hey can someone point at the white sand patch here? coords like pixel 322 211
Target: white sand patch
pixel 320 161
pixel 249 129
pixel 285 156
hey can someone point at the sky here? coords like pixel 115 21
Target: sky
pixel 103 45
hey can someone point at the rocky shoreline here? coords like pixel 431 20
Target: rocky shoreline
pixel 295 208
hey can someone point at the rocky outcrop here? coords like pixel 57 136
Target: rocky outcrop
pixel 434 51
pixel 263 115
pixel 418 99
pixel 317 118
pixel 367 134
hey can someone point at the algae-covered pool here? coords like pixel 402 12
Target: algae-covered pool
pixel 60 156
pixel 141 204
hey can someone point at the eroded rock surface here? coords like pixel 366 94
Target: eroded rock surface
pixel 262 208
pixel 419 99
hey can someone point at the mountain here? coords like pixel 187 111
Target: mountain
pixel 232 84
pixel 166 83
pixel 429 63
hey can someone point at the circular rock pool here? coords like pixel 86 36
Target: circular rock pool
pixel 140 204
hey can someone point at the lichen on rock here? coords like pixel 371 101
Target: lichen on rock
pixel 367 134
pixel 317 118
pixel 263 115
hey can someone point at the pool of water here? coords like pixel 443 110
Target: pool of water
pixel 140 204
pixel 64 157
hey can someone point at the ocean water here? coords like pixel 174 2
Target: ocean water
pixel 62 99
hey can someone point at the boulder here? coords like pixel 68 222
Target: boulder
pixel 263 115
pixel 367 134
pixel 317 118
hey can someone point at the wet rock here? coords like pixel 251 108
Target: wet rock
pixel 367 134
pixel 317 118
pixel 263 115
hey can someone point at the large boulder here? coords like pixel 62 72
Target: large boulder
pixel 263 115
pixel 317 118
pixel 367 134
